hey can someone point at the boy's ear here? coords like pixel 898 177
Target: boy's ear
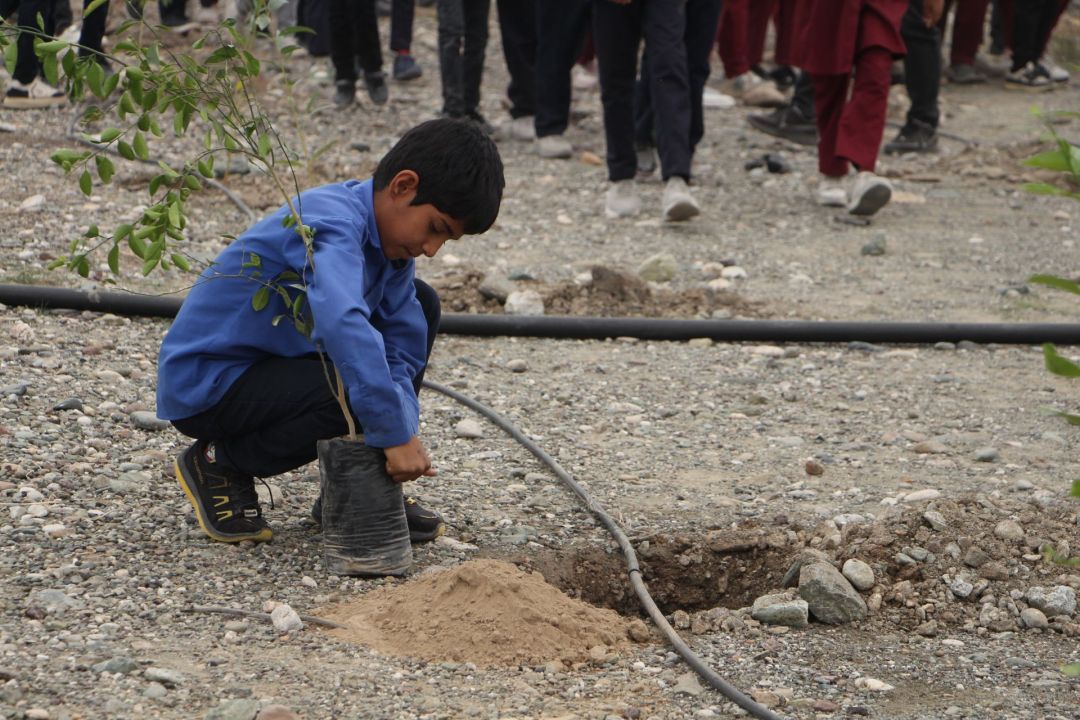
pixel 406 182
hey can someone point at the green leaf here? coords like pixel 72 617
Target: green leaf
pixel 276 319
pixel 264 146
pixel 142 150
pixel 121 232
pixel 226 52
pixel 1072 670
pixel 50 47
pixel 105 168
pixel 114 260
pixel 86 183
pixel 50 67
pixel 138 247
pixel 82 266
pixel 1056 282
pixel 110 84
pixel 95 78
pixel 126 151
pixel 91 232
pixel 1049 160
pixel 56 263
pixel 260 299
pixel 1042 189
pixel 1055 363
pixel 92 6
pixel 110 134
pixel 11 52
pixel 1075 492
pixel 251 63
pixel 174 215
pixel 150 263
pixel 253 261
pixel 181 262
pixel 1068 417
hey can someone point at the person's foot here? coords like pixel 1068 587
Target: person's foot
pixel 754 91
pixel 344 93
pixel 1055 72
pixel 581 78
pixel 963 74
pixel 226 504
pixel 831 192
pixel 678 203
pixel 993 64
pixel 715 99
pixel 406 68
pixel 554 147
pixel 914 137
pixel 424 525
pixel 37 94
pixel 520 128
pixel 646 160
pixel 375 82
pixel 1030 77
pixel 621 199
pixel 869 194
pixel 788 123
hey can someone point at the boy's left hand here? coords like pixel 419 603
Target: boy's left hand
pixel 409 461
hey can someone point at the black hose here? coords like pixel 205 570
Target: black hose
pixel 634 571
pixel 598 328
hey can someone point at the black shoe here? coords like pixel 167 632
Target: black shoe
pixel 788 123
pixel 226 504
pixel 344 93
pixel 914 137
pixel 406 68
pixel 376 87
pixel 424 525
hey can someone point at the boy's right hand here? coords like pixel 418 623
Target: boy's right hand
pixel 409 461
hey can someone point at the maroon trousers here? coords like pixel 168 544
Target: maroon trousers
pixel 744 24
pixel 968 28
pixel 850 128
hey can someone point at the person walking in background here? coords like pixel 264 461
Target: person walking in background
pixel 1032 23
pixel 618 27
pixel 463 35
pixel 354 36
pixel 517 25
pixel 848 47
pixel 922 78
pixel 402 13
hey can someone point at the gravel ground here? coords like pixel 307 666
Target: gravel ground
pixel 722 461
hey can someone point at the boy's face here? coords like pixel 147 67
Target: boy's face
pixel 409 231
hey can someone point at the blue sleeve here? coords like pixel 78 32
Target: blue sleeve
pixel 387 411
pixel 404 329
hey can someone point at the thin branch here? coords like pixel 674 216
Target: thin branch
pixel 217 610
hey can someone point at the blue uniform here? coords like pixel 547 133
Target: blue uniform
pixel 366 315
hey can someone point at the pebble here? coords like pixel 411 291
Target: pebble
pixel 781 609
pixel 858 574
pixel 1009 530
pixel 276 712
pixel 524 302
pixel 975 557
pixel 69 404
pixel 308 581
pixel 733 272
pixel 1034 618
pixel 454 544
pixel 285 619
pixel 813 467
pixel 146 420
pixel 658 268
pixel 935 520
pixel 36 714
pixel 873 684
pixel 165 676
pixel 517 365
pixel 875 247
pixel 927 629
pixel 469 428
pixel 55 530
pixel 930 447
pixel 1059 600
pixel 825 706
pixel 922 495
pixel 32 203
pixel 845 519
pixel 122 665
pixel 496 286
pixel 240 709
pixel 155 691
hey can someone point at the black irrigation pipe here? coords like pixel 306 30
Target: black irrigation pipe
pixel 633 569
pixel 599 328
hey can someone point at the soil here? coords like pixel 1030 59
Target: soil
pixel 700 450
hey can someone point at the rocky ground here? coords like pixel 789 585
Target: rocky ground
pixel 937 468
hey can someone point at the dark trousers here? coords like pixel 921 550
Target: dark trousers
pixel 26 62
pixel 354 35
pixel 172 12
pixel 463 34
pixel 922 65
pixel 617 34
pixel 802 97
pixel 517 25
pixel 271 418
pixel 561 26
pixel 1032 22
pixel 702 17
pixel 401 24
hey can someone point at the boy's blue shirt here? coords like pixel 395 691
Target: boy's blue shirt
pixel 367 318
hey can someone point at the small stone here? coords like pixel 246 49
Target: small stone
pixel 591 158
pixel 598 653
pixel 781 610
pixel 524 302
pixel 517 365
pixel 986 454
pixel 813 467
pixel 276 712
pixel 639 631
pixel 69 404
pixel 1034 618
pixel 935 520
pixel 165 676
pixel 496 287
pixel 308 581
pixel 37 511
pixel 765 697
pixel 285 619
pixel 845 519
pixel 242 709
pixel 875 247
pixel 927 629
pixel 1060 600
pixel 805 557
pixel 1009 530
pixel 56 530
pixel 122 665
pixel 873 684
pixel 733 272
pixel 825 706
pixel 975 557
pixel 145 420
pixel 830 596
pixel 155 691
pixel 36 714
pixel 658 268
pixel 922 495
pixel 688 684
pixel 930 447
pixel 858 574
pixel 469 429
pixel 994 570
pixel 32 203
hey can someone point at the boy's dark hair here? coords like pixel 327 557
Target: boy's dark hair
pixel 460 170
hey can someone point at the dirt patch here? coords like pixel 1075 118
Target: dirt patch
pixel 483 611
pixel 611 293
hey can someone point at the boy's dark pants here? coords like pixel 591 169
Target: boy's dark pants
pixel 463 36
pixel 354 35
pixel 272 417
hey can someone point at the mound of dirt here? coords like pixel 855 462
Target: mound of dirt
pixel 486 612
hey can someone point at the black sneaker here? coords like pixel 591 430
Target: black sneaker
pixel 1030 77
pixel 226 504
pixel 424 525
pixel 788 123
pixel 914 137
pixel 344 93
pixel 375 82
pixel 406 68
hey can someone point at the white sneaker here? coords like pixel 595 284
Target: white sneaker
pixel 1057 73
pixel 831 192
pixel 755 91
pixel 993 65
pixel 679 204
pixel 554 146
pixel 869 194
pixel 622 200
pixel 715 99
pixel 523 128
pixel 38 94
pixel 582 79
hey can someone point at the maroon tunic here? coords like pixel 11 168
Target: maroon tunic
pixel 833 32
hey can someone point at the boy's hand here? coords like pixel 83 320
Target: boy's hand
pixel 409 461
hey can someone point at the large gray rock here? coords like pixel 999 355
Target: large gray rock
pixel 830 597
pixel 805 557
pixel 858 574
pixel 1060 600
pixel 781 610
